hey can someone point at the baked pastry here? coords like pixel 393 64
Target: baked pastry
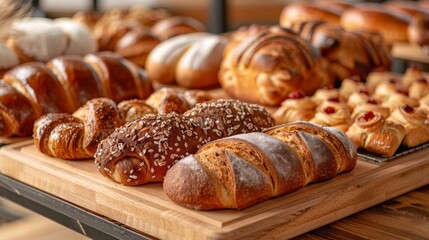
pixel 326 93
pixel 246 169
pixel 424 104
pixel 399 99
pixel 265 67
pixel 358 97
pixel 370 105
pixel 373 133
pixel 419 88
pixel 336 45
pixel 176 25
pixel 66 83
pixel 298 12
pixel 411 74
pixel 415 122
pixel 142 151
pixel 386 89
pixel 393 25
pixel 351 85
pixel 134 109
pixel 379 76
pixel 136 45
pixel 333 114
pixel 296 107
pixel 191 60
pixel 77 136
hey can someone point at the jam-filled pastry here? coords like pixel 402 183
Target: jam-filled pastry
pixel 358 97
pixel 351 85
pixel 372 132
pixel 296 107
pixel 371 104
pixel 415 122
pixel 424 104
pixel 419 88
pixel 377 77
pixel 333 114
pixel 386 88
pixel 413 73
pixel 324 94
pixel 399 99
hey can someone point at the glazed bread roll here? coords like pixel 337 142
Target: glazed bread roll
pixel 373 133
pixel 393 25
pixel 347 53
pixel 264 68
pixel 142 151
pixel 66 83
pixel 191 60
pixel 246 169
pixel 300 12
pixel 177 25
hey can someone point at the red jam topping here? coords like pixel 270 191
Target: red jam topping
pixel 368 116
pixel 334 99
pixel 402 91
pixel 422 80
pixel 407 108
pixel 372 101
pixel 363 90
pixel 328 87
pixel 356 78
pixel 391 80
pixel 296 94
pixel 329 110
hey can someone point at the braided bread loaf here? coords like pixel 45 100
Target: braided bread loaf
pixel 142 151
pixel 265 67
pixel 63 85
pixel 243 170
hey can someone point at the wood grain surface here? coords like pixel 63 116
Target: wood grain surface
pixel 148 210
pixel 404 217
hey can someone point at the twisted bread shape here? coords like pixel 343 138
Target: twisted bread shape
pixel 265 67
pixel 76 136
pixel 240 171
pixel 142 151
pixel 63 85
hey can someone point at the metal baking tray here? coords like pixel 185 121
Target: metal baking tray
pixel 402 151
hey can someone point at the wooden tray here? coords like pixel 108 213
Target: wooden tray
pixel 147 209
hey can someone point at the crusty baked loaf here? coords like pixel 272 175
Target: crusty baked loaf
pixel 243 170
pixel 66 83
pixel 142 151
pixel 265 67
pixel 191 60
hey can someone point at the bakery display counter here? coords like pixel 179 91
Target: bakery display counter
pixel 76 190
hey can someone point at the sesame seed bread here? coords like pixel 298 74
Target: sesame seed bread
pixel 243 170
pixel 142 151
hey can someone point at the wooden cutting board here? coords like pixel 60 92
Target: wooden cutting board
pixel 147 209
